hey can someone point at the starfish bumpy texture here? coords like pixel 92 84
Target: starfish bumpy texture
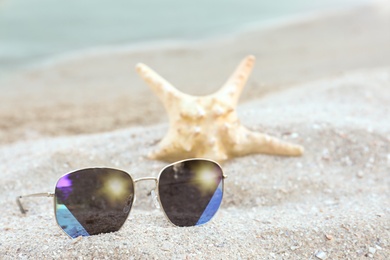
pixel 208 126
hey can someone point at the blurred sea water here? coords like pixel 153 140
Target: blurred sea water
pixel 35 30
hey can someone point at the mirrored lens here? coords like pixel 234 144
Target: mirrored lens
pixel 93 201
pixel 191 191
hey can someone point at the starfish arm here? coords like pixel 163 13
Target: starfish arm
pixel 170 153
pixel 252 142
pixel 165 151
pixel 161 87
pixel 235 84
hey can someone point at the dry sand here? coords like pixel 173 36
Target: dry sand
pixel 323 83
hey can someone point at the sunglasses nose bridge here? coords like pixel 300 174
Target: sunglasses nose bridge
pixel 152 192
pixel 146 179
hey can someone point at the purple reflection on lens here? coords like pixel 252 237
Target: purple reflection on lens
pixel 64 182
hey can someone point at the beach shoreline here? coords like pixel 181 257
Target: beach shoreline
pixel 168 41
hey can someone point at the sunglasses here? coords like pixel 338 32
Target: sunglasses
pixel 98 200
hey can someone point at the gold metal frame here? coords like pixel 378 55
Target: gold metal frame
pixel 19 202
pixel 156 179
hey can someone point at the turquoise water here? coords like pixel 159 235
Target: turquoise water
pixel 32 30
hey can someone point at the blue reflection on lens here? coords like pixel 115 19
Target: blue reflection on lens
pixel 69 223
pixel 212 207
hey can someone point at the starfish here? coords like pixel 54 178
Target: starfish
pixel 208 126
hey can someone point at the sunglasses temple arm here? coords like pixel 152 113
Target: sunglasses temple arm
pixel 19 202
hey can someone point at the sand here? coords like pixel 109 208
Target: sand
pixel 323 82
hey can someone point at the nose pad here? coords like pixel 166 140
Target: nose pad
pixel 155 198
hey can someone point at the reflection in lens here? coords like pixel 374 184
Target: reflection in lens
pixel 93 201
pixel 191 191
